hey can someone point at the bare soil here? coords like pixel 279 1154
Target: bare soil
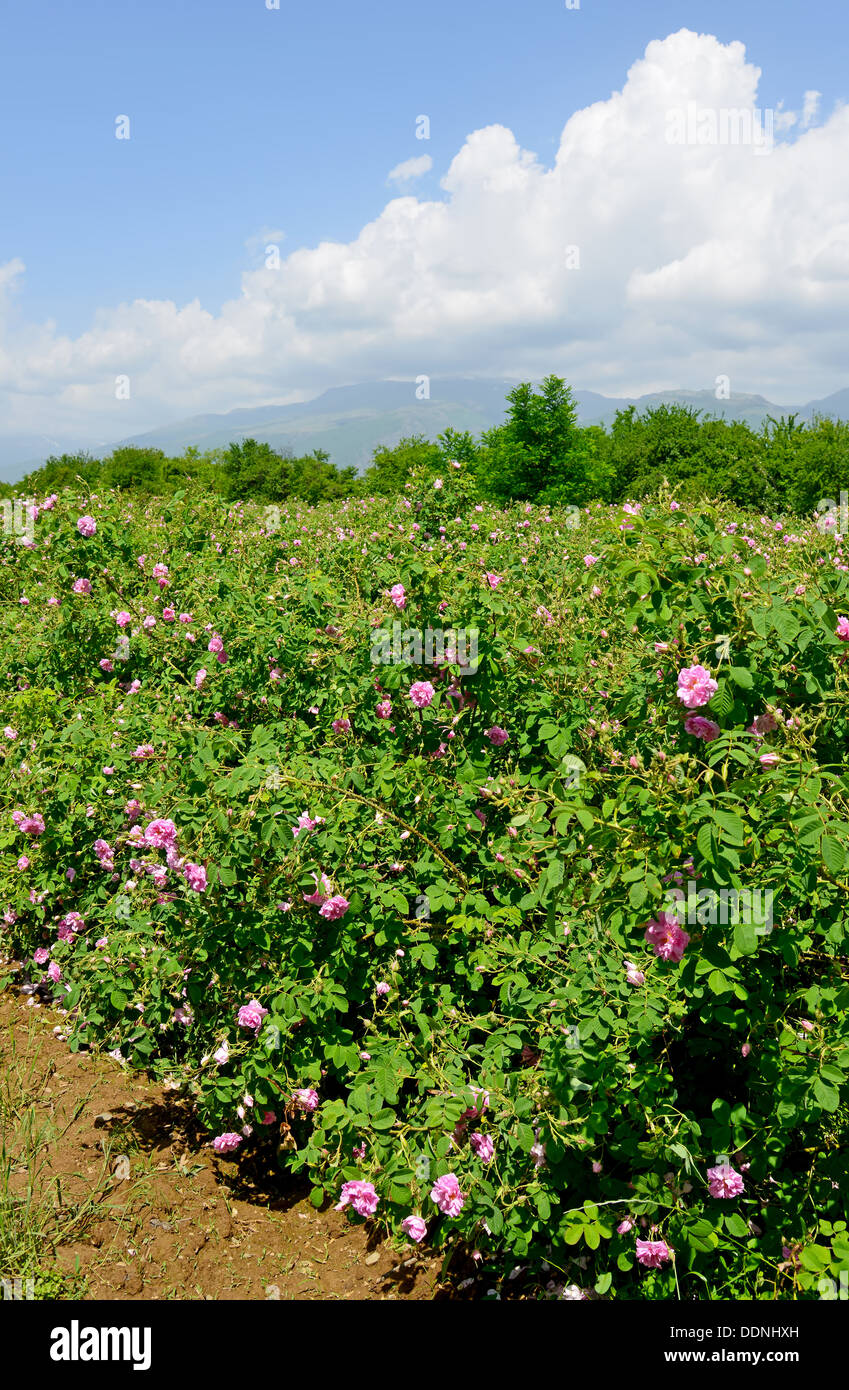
pixel 107 1177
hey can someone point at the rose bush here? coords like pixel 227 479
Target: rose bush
pixel 406 927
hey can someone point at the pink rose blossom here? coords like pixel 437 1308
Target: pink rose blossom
pixel 421 694
pixel 305 822
pixel 360 1195
pixel 843 629
pixel 483 1146
pixel 104 853
pixel 251 1015
pixel 321 894
pixel 653 1253
pixel 87 526
pixel 447 1195
pixel 334 908
pixel 29 825
pixel 415 1228
pixel 159 833
pixel 226 1143
pixel 195 876
pixel 666 937
pixel 696 686
pixel 724 1181
pixel 702 728
pixel 497 735
pixel 306 1098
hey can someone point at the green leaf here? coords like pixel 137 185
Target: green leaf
pixel 834 855
pixel 543 1205
pixel 495 1221
pixel 526 1138
pixel 722 702
pixel 745 938
pixel 815 1257
pixel 706 842
pixel 742 676
pixel 701 1235
pixel 828 1096
pixel 637 894
pixel 785 623
pixel 555 872
pixel 736 1226
pixel 731 824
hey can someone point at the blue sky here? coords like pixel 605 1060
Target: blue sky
pixel 246 120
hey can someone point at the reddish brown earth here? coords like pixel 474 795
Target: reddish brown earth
pixel 127 1201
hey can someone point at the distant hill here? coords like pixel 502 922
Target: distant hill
pixel 351 421
pixel 601 410
pixel 20 453
pixel 836 406
pixel 348 421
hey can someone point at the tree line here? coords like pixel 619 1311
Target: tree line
pixel 539 453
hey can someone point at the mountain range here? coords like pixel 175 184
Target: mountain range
pixel 351 421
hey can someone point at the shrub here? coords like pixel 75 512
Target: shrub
pixel 413 910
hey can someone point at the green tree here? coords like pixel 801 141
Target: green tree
pixel 537 447
pixel 130 467
pixel 392 466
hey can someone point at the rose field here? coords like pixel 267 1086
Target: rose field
pixel 415 841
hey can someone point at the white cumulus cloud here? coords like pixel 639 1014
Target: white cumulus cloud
pixel 410 170
pixel 628 264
